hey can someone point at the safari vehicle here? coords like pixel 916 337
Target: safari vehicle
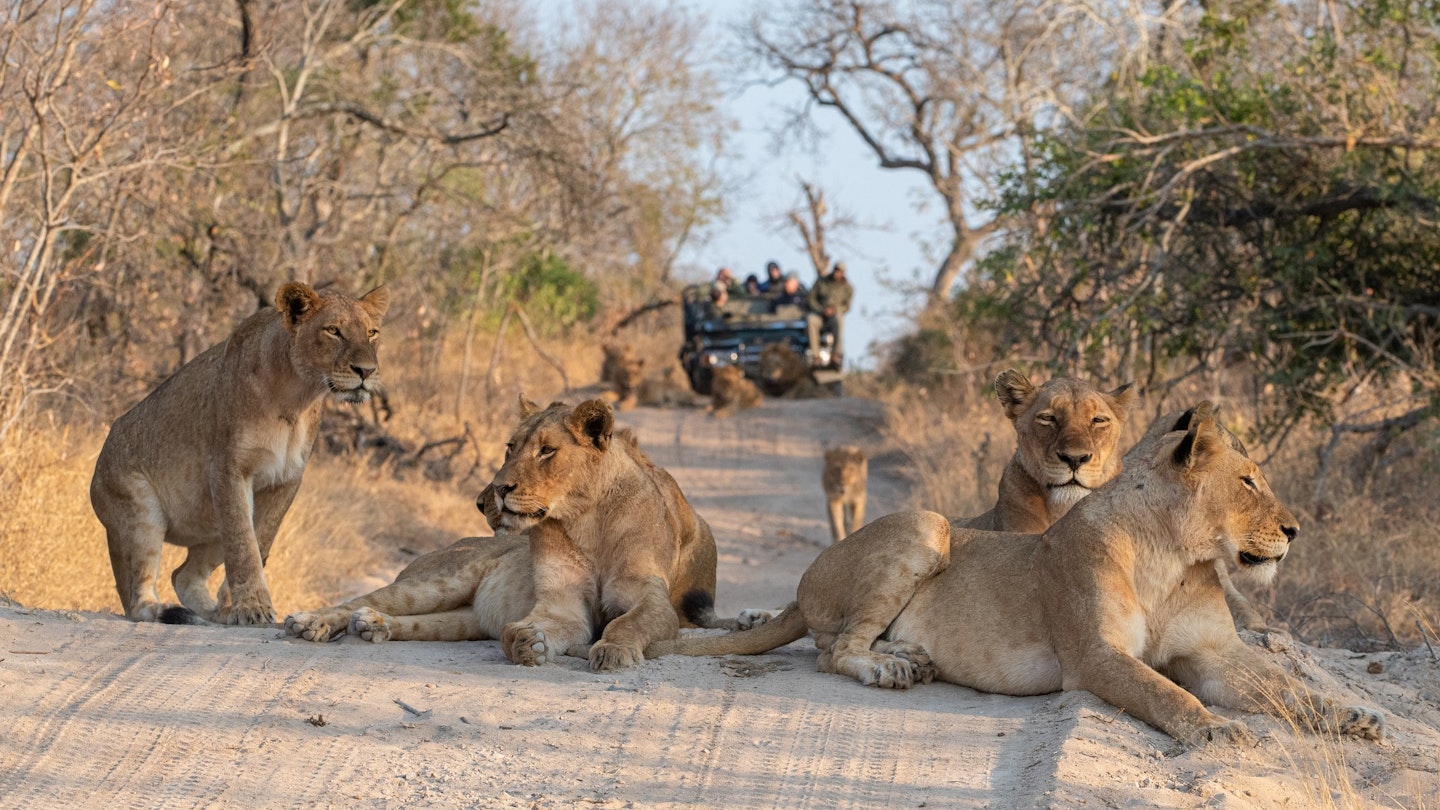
pixel 736 338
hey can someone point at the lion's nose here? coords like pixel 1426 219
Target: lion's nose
pixel 1075 462
pixel 363 372
pixel 1290 532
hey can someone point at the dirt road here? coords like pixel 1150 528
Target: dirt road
pixel 97 712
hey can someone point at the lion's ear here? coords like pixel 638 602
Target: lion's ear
pixel 1202 438
pixel 376 302
pixel 527 408
pixel 593 420
pixel 1015 391
pixel 1124 396
pixel 296 301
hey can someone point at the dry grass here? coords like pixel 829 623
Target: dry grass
pixel 1364 573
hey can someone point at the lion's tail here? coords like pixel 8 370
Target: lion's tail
pixel 779 631
pixel 698 607
pixel 177 614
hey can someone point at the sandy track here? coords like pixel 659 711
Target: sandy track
pixel 98 712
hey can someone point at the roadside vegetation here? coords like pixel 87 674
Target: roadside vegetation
pixel 1228 200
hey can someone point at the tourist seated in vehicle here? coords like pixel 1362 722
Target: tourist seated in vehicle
pixel 726 278
pixel 791 294
pixel 774 279
pixel 719 306
pixel 828 302
pixel 752 285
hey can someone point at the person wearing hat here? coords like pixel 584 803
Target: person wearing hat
pixel 828 302
pixel 774 279
pixel 791 294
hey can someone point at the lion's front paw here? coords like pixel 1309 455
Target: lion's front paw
pixel 1222 731
pixel 751 618
pixel 525 644
pixel 1363 722
pixel 922 669
pixel 370 625
pixel 889 672
pixel 310 626
pixel 607 655
pixel 249 611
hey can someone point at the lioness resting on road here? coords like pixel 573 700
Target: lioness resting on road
pixel 1066 432
pixel 731 391
pixel 843 479
pixel 212 458
pixel 592 537
pixel 1119 597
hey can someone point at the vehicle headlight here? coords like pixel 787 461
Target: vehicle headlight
pixel 719 358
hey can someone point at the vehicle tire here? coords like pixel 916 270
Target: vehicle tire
pixel 700 379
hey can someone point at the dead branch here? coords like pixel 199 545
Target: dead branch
pixel 641 311
pixel 540 350
pixel 492 374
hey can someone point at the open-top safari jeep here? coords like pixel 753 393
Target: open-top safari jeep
pixel 742 329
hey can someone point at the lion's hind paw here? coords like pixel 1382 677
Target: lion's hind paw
pixel 525 644
pixel 311 627
pixel 370 625
pixel 750 618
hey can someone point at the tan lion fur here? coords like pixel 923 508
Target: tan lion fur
pixel 843 479
pixel 591 536
pixel 730 392
pixel 622 371
pixel 785 374
pixel 1120 598
pixel 1067 434
pixel 212 458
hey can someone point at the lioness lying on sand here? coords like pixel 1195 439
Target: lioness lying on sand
pixel 1120 597
pixel 593 540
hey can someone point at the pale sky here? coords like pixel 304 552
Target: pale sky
pixel 880 260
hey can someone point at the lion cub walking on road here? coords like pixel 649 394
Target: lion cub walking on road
pixel 212 458
pixel 846 469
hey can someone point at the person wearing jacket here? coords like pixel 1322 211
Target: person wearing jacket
pixel 829 300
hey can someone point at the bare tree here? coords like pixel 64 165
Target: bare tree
pixel 943 88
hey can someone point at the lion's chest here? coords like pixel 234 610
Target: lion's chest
pixel 277 450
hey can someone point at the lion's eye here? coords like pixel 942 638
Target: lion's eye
pixel 1100 420
pixel 1045 418
pixel 332 331
pixel 1250 482
pixel 374 333
pixel 546 451
pixel 509 448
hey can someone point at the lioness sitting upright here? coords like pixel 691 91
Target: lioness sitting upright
pixel 212 458
pixel 1120 597
pixel 591 537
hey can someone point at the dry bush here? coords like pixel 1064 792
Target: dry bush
pixel 956 443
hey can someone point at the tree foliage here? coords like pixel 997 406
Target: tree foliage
pixel 165 166
pixel 1261 186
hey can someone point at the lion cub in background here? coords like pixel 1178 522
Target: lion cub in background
pixel 846 469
